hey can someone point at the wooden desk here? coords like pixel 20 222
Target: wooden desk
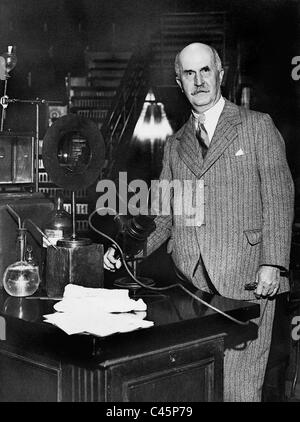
pixel 179 359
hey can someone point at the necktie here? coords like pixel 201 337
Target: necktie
pixel 202 135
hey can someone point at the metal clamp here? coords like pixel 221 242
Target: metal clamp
pixel 4 101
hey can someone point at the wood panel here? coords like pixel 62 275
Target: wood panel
pixel 27 380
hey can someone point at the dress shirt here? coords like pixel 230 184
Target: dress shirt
pixel 211 117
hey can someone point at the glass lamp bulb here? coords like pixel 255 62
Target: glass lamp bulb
pixel 10 58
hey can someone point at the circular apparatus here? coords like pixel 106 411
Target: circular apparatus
pixel 73 152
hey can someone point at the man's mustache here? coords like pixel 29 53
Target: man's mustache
pixel 200 89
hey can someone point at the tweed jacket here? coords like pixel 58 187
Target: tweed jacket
pixel 248 202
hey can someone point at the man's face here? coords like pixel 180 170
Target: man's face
pixel 199 79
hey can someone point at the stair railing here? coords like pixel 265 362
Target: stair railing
pixel 126 105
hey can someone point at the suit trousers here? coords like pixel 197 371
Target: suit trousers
pixel 245 365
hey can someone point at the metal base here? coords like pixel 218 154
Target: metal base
pixel 129 283
pixel 73 243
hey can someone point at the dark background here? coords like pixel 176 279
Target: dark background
pixel 51 36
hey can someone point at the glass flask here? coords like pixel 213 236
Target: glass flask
pixel 21 278
pixel 58 223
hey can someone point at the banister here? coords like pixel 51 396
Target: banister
pixel 120 115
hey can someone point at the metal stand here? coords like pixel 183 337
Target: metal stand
pixel 73 216
pixel 4 104
pixel 128 283
pixel 74 241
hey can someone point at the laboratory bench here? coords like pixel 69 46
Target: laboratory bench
pixel 178 359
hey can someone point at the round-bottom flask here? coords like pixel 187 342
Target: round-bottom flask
pixel 21 279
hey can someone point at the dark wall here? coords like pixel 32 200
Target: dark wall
pixel 51 36
pixel 269 39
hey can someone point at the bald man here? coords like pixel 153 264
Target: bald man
pixel 244 236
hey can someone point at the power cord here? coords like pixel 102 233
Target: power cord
pixel 170 286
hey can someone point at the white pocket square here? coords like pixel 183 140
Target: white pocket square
pixel 239 152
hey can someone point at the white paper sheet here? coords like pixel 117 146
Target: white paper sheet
pixel 100 312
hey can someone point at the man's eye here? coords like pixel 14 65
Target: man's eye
pixel 205 69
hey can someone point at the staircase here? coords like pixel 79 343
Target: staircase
pixel 92 96
pixel 110 95
pixel 118 127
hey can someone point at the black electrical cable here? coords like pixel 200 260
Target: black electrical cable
pixel 170 286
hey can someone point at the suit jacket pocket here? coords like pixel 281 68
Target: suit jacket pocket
pixel 253 236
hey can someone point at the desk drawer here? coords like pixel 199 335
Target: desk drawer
pixel 189 372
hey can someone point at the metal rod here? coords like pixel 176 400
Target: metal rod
pixel 22 240
pixel 3 107
pixel 16 215
pixel 37 135
pixel 44 298
pixel 40 231
pixel 73 216
pixel 36 101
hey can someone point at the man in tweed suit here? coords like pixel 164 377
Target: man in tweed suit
pixel 248 196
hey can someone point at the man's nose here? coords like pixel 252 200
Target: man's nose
pixel 198 80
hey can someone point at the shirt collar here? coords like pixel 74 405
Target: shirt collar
pixel 211 116
pixel 214 112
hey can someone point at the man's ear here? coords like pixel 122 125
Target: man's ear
pixel 221 75
pixel 178 80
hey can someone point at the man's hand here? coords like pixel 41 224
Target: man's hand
pixel 267 278
pixel 110 262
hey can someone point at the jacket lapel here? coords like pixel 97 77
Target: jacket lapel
pixel 188 148
pixel 225 133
